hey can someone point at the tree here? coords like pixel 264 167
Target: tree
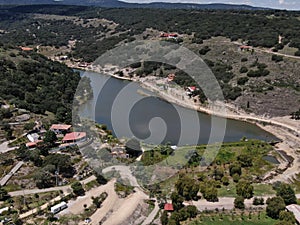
pixel 164 218
pixel 3 194
pixel 258 201
pixel 274 206
pixel 43 179
pixel 235 169
pixel 286 192
pixel 101 179
pixel 78 189
pixel 187 187
pixel 239 202
pixel 210 194
pixel 50 138
pixel 287 217
pixel 61 163
pixel 245 160
pixel 177 201
pixel 244 189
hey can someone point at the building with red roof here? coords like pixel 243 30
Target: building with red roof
pixel 169 207
pixel 26 49
pixel 60 128
pixel 74 137
pixel 33 144
pixel 245 48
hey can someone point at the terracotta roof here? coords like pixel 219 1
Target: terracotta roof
pixel 74 136
pixel 245 46
pixel 60 127
pixel 169 207
pixel 33 144
pixel 26 49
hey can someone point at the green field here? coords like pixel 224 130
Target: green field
pixel 226 220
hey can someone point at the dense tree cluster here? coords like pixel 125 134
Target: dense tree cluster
pixel 38 84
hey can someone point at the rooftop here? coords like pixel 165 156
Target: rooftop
pixel 295 209
pixel 74 136
pixel 60 127
pixel 169 207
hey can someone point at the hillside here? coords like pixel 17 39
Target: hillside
pixel 121 4
pixel 257 81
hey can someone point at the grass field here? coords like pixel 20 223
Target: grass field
pixel 237 220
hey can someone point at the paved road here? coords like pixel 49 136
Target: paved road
pixel 125 174
pixel 43 207
pixel 36 191
pixel 224 202
pixel 6 178
pixel 5 148
pixel 152 215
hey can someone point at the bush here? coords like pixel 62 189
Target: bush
pixel 258 73
pixel 243 69
pixel 204 50
pixel 78 189
pixel 258 201
pixel 277 58
pixel 242 80
pixel 239 202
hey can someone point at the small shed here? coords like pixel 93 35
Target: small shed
pixel 169 207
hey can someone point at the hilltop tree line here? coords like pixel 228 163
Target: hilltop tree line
pixel 23 28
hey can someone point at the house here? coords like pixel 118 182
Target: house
pixel 23 118
pixel 295 209
pixel 26 48
pixel 33 144
pixel 60 128
pixel 245 48
pixel 119 152
pixel 169 207
pixel 171 77
pixel 33 137
pixel 74 137
pixel 167 35
pixel 191 90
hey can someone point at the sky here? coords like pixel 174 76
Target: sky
pixel 278 4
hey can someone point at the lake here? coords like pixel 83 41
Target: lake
pixel 132 111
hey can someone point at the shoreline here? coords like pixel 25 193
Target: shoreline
pixel 219 109
pixel 287 133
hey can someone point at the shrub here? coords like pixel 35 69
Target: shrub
pixel 242 80
pixel 277 58
pixel 243 69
